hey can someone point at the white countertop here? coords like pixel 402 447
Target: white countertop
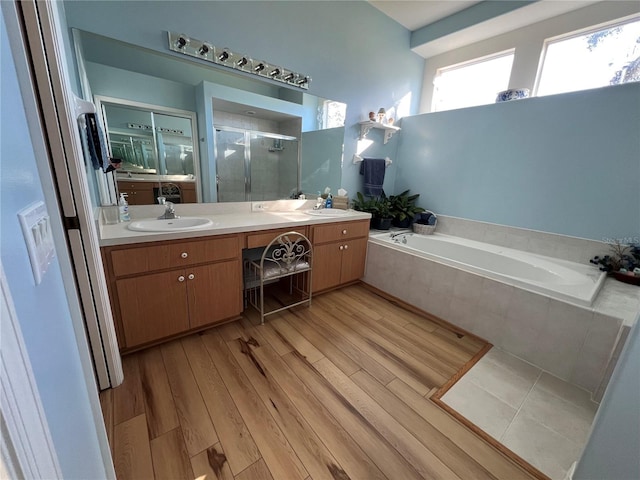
pixel 237 218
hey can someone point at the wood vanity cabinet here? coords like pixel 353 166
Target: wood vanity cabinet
pixel 339 253
pixel 142 193
pixel 138 193
pixel 159 290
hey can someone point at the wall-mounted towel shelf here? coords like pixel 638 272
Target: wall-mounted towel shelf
pixel 366 126
pixel 357 159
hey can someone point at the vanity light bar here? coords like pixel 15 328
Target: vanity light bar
pixel 181 43
pixel 137 126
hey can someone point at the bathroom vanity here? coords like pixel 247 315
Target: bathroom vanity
pixel 163 285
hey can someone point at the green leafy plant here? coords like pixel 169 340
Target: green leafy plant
pixel 367 205
pixel 384 206
pixel 378 207
pixel 403 206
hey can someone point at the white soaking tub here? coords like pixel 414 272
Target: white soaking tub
pixel 564 280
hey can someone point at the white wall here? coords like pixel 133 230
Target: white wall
pixel 528 43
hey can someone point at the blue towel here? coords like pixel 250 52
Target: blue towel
pixel 373 170
pixel 96 143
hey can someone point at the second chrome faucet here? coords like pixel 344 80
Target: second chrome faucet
pixel 169 210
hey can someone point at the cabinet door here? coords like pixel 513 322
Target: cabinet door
pixel 214 292
pixel 153 306
pixel 327 266
pixel 354 256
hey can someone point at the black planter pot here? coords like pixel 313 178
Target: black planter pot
pixel 380 223
pixel 406 223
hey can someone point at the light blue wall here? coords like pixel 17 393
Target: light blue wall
pixel 614 443
pixel 353 52
pixel 322 151
pixel 114 82
pixel 42 310
pixel 474 15
pixel 567 164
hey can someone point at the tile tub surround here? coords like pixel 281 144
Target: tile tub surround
pixel 571 342
pixel 575 249
pixel 541 418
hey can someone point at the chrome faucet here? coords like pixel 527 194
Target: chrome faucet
pixel 169 212
pixel 398 237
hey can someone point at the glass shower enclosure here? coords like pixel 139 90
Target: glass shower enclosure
pixel 255 166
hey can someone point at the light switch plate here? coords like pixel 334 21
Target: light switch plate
pixel 36 228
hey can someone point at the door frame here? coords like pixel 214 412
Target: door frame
pixel 57 119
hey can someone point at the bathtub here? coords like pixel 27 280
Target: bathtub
pixel 563 280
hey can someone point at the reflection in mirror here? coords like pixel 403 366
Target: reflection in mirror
pixel 320 149
pixel 156 148
pixel 117 69
pixel 255 166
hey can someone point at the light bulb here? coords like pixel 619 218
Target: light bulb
pixel 182 41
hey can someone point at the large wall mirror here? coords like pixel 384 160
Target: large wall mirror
pixel 215 135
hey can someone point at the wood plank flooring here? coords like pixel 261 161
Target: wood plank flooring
pixel 336 391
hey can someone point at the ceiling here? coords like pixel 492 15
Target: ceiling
pixel 447 25
pixel 416 14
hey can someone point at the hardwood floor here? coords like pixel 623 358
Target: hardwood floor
pixel 336 391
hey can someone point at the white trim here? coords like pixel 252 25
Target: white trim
pixel 27 448
pixel 473 61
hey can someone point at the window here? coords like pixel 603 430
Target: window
pixel 600 57
pixel 333 114
pixel 472 83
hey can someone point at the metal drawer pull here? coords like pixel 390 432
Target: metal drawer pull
pixel 181 278
pixel 344 232
pixel 191 276
pixel 184 254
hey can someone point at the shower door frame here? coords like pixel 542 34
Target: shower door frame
pixel 247 155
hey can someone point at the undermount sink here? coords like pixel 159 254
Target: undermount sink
pixel 328 212
pixel 170 225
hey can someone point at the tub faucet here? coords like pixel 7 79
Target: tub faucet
pixel 394 237
pixel 169 212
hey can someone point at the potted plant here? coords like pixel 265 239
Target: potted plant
pixel 378 207
pixel 623 263
pixel 404 209
pixel 383 218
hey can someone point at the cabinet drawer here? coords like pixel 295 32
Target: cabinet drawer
pixel 148 258
pixel 262 239
pixel 125 186
pixel 340 231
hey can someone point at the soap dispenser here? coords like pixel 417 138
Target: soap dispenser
pixel 123 208
pixel 329 202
